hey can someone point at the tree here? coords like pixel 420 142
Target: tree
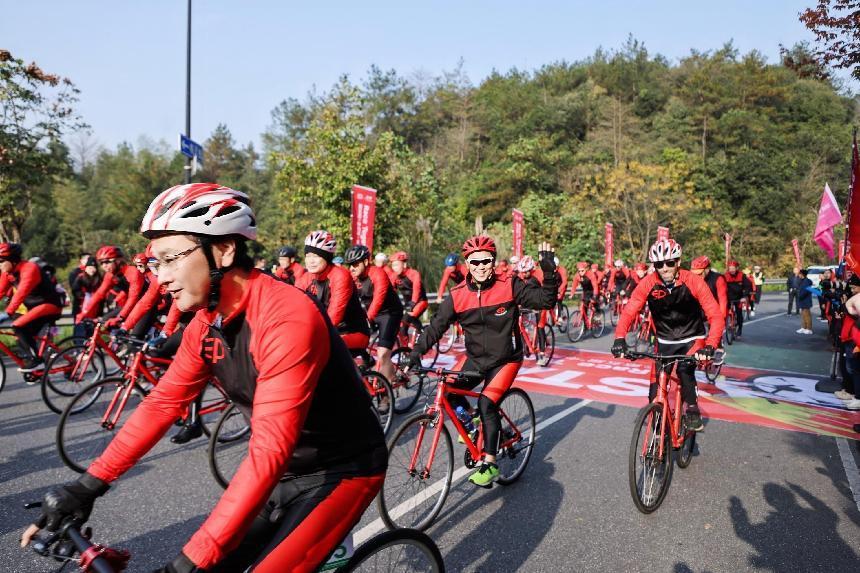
pixel 836 25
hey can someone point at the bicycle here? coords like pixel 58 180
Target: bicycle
pixel 377 386
pixel 713 367
pixel 587 318
pixel 616 307
pixel 403 550
pixel 660 429
pixel 453 335
pixel 538 342
pixel 559 316
pixel 91 419
pixel 731 331
pixel 46 349
pixel 415 485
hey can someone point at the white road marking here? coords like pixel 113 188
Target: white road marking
pixel 376 525
pixel 753 321
pixel 851 470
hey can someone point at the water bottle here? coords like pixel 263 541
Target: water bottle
pixel 465 418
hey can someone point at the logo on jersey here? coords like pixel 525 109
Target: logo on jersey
pixel 213 350
pixel 501 311
pixel 659 294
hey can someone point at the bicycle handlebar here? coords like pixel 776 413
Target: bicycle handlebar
pixel 633 355
pixel 444 372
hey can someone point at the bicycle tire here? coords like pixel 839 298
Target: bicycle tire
pixel 2 375
pixel 228 445
pixel 576 328
pixel 648 419
pixel 81 437
pixel 406 386
pixel 399 500
pixel 729 332
pixel 685 453
pixel 523 417
pixel 382 397
pixel 369 557
pixel 61 383
pixel 446 343
pixel 217 401
pixel 614 315
pixel 598 323
pixel 563 318
pixel 712 371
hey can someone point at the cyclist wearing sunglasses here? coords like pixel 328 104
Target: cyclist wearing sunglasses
pixel 589 282
pixel 487 307
pixel 677 299
pixel 408 283
pixel 316 456
pixel 120 278
pixel 739 287
pixel 36 290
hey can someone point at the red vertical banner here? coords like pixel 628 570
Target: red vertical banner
pixel 608 244
pixel 840 254
pixel 363 215
pixel 796 246
pixel 852 223
pixel 662 233
pixel 728 248
pixel 519 231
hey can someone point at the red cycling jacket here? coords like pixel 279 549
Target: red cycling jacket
pixel 377 294
pixel 562 287
pixel 738 285
pixel 335 289
pixel 590 287
pixel 291 273
pixel 617 278
pixel 151 298
pixel 129 281
pixel 676 311
pixel 32 286
pixel 630 283
pixel 408 283
pixel 717 283
pixel 289 372
pixel 456 273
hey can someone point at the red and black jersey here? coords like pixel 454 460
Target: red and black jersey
pixel 617 278
pixel 33 287
pixel 630 283
pixel 285 366
pixel 717 283
pixel 291 273
pixel 676 309
pixel 489 317
pixel 562 285
pixel 153 297
pixel 129 282
pixel 377 294
pixel 411 289
pixel 456 273
pixel 738 285
pixel 336 291
pixel 590 286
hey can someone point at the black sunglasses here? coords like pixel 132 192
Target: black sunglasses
pixel 670 264
pixel 479 262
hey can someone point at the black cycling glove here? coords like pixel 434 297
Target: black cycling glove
pixel 707 351
pixel 619 347
pixel 414 360
pixel 74 499
pixel 547 262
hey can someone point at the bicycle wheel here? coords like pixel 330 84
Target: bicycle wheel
pixel 67 373
pixel 228 445
pixel 614 314
pixel 563 318
pixel 712 371
pixel 399 551
pixel 406 385
pixel 598 323
pixel 649 473
pixel 212 406
pixel 84 433
pixel 382 397
pixel 415 485
pixel 446 343
pixel 2 375
pixel 518 435
pixel 576 328
pixel 545 355
pixel 685 452
pixel 729 332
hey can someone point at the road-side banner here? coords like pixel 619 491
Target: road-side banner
pixel 662 233
pixel 608 242
pixel 363 215
pixel 728 249
pixel 519 231
pixel 796 246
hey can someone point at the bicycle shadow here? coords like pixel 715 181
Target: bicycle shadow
pixel 792 537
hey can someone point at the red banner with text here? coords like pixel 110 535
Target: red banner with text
pixel 363 215
pixel 608 242
pixel 662 233
pixel 519 232
pixel 728 249
pixel 796 246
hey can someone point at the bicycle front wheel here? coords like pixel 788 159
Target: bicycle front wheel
pixel 67 373
pixel 614 315
pixel 712 371
pixel 416 485
pixel 729 332
pixel 518 435
pixel 563 318
pixel 598 323
pixel 685 453
pixel 382 397
pixel 214 402
pixel 576 326
pixel 649 471
pixel 228 445
pixel 83 433
pixel 406 385
pixel 398 551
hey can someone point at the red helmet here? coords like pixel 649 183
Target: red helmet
pixel 595 266
pixel 10 251
pixel 582 266
pixel 700 263
pixel 479 243
pixel 400 256
pixel 108 252
pixel 733 263
pixel 139 259
pixel 640 267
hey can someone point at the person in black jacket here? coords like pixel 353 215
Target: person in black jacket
pixel 791 283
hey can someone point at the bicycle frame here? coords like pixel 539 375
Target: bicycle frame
pixel 131 376
pixel 44 343
pixel 530 344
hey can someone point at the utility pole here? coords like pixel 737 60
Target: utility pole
pixel 188 95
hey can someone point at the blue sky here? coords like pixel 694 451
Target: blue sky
pixel 128 58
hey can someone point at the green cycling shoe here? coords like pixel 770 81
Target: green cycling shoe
pixel 485 475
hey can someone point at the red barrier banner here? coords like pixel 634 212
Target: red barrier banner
pixel 728 248
pixel 796 246
pixel 662 233
pixel 363 215
pixel 608 243
pixel 519 231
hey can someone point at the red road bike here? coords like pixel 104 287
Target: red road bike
pixel 538 341
pixel 588 318
pixel 45 351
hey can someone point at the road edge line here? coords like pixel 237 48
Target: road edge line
pixel 851 470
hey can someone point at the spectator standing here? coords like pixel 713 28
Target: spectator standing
pixel 758 283
pixel 82 263
pixel 791 283
pixel 804 302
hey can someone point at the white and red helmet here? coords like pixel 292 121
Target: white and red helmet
pixel 321 240
pixel 664 250
pixel 202 209
pixel 526 264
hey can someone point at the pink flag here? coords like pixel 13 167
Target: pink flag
pixel 828 216
pixel 519 231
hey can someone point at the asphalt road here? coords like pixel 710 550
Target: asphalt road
pixel 754 499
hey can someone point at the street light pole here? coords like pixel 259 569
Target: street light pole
pixel 188 95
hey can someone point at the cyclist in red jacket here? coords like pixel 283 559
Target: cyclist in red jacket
pixel 125 278
pixel 487 307
pixel 33 289
pixel 678 301
pixel 738 287
pixel 716 282
pixel 316 456
pixel 589 282
pixel 289 270
pixel 408 282
pixel 454 271
pixel 637 274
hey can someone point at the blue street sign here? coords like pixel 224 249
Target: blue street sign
pixel 190 148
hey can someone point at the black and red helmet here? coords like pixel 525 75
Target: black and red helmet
pixel 478 243
pixel 10 251
pixel 108 252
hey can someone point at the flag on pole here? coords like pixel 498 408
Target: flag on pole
pixel 363 215
pixel 796 246
pixel 728 248
pixel 828 217
pixel 662 233
pixel 519 231
pixel 852 224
